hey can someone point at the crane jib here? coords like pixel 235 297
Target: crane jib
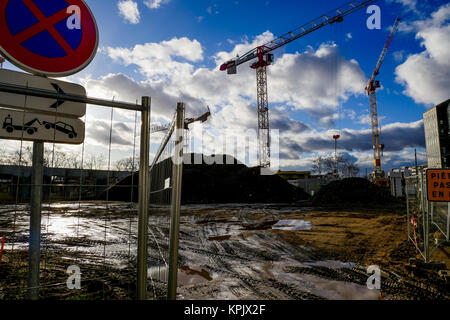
pixel 301 31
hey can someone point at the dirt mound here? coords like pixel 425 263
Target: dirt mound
pixel 216 183
pixel 231 183
pixel 353 191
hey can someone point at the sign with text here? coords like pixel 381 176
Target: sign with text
pixel 21 125
pixel 18 101
pixel 438 185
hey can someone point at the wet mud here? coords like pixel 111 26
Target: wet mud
pixel 239 251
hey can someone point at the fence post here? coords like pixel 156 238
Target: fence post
pixel 144 194
pixel 448 221
pixel 176 203
pixel 35 221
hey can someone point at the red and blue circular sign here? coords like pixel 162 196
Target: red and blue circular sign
pixel 54 38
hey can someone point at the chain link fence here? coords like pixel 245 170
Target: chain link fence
pixel 428 222
pixel 88 247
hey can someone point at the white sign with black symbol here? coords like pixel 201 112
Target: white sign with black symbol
pixel 44 105
pixel 167 183
pixel 22 125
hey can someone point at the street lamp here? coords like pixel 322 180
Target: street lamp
pixel 336 137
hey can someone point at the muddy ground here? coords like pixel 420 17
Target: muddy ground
pixel 235 251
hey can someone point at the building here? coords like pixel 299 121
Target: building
pixel 437 135
pixel 59 183
pixel 397 180
pixel 311 184
pixel 294 175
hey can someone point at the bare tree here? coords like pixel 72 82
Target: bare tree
pixel 345 168
pixel 94 162
pixel 318 165
pixel 127 164
pixel 54 158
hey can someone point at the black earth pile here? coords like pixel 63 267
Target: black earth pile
pixel 353 191
pixel 217 183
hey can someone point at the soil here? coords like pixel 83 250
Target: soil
pixel 215 183
pixel 226 251
pixel 353 191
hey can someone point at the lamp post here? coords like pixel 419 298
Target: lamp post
pixel 336 137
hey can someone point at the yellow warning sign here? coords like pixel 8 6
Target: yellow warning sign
pixel 438 185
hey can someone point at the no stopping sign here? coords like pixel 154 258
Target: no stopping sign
pixel 53 38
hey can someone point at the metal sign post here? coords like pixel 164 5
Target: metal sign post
pixel 176 201
pixel 144 194
pixel 35 220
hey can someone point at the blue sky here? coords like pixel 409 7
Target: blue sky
pixel 170 49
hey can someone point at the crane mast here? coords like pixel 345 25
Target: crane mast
pixel 265 58
pixel 371 92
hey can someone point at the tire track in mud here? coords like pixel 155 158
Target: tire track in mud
pixel 390 283
pixel 236 259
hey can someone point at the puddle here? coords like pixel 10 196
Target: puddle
pixel 297 225
pixel 186 275
pixel 322 287
pixel 339 290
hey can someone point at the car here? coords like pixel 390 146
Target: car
pixel 61 127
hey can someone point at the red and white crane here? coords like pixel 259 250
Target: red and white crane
pixel 372 85
pixel 265 58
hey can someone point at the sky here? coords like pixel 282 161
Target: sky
pixel 171 50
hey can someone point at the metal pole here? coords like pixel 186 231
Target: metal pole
pixel 176 203
pixel 415 159
pixel 144 194
pixel 407 208
pixel 9 88
pixel 448 221
pixel 35 221
pixel 335 156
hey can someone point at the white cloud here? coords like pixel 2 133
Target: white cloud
pixel 426 75
pixel 399 55
pixel 158 60
pixel 155 4
pixel 298 81
pixel 128 9
pixel 410 5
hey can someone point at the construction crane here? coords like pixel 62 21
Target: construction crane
pixel 202 119
pixel 378 174
pixel 187 122
pixel 265 58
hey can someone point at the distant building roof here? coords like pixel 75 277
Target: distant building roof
pixel 292 175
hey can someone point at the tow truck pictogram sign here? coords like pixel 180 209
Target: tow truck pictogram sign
pixel 18 125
